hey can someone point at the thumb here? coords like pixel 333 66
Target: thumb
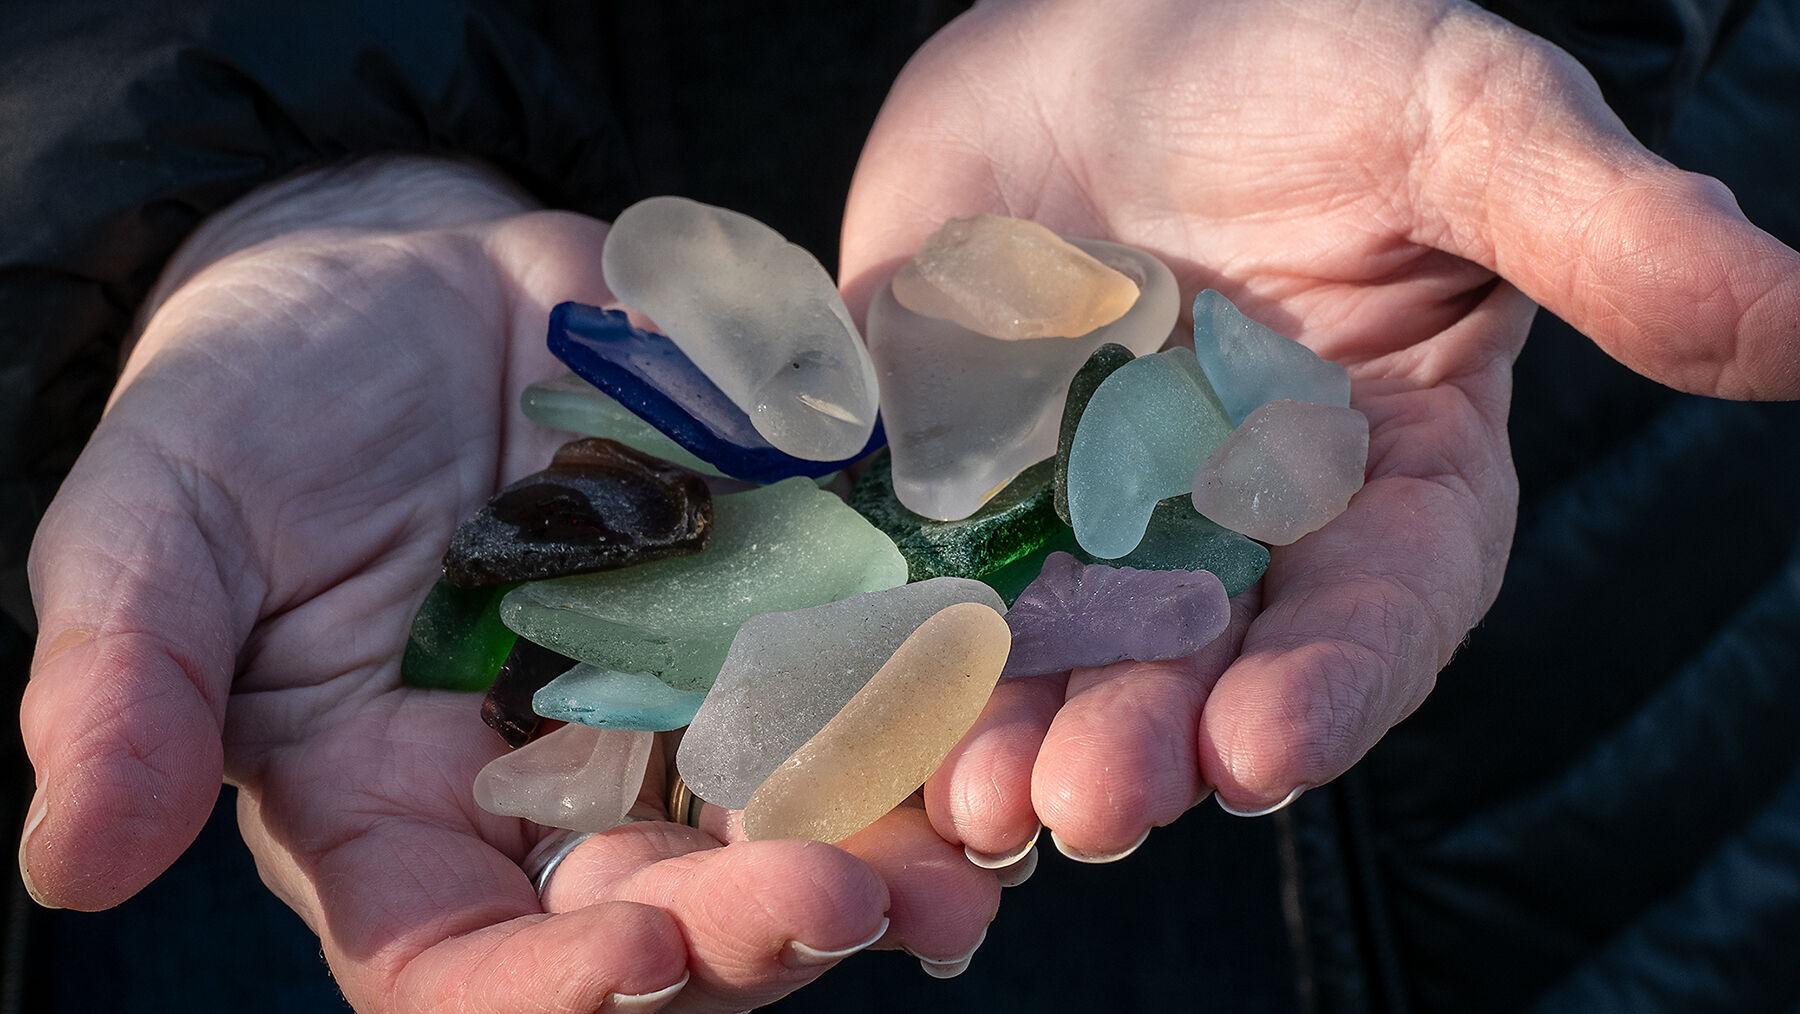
pixel 137 639
pixel 1523 168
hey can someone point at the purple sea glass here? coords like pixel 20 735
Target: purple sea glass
pixel 1077 615
pixel 646 373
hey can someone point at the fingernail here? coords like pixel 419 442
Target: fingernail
pixel 1019 872
pixel 1113 857
pixel 955 966
pixel 40 805
pixel 1259 813
pixel 989 861
pixel 799 955
pixel 628 1002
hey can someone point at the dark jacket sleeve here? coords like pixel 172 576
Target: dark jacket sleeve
pixel 1648 55
pixel 122 126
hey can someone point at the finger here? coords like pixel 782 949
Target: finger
pixel 1523 168
pixel 614 956
pixel 939 906
pixel 761 919
pixel 980 797
pixel 1358 617
pixel 1121 758
pixel 139 624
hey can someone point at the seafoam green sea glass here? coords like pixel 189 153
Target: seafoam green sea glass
pixel 1018 520
pixel 457 640
pixel 1105 360
pixel 1145 430
pixel 789 673
pixel 967 413
pixel 573 405
pixel 1179 538
pixel 1250 365
pixel 609 699
pixel 781 547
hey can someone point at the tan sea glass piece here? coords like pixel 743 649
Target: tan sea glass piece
pixel 891 736
pixel 1011 279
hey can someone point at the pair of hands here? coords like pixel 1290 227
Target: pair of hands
pixel 327 383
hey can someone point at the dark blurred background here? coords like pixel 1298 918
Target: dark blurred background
pixel 1598 809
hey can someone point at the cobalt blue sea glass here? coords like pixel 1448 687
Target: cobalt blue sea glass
pixel 646 373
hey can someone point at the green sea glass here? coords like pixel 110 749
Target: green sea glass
pixel 1105 360
pixel 1018 520
pixel 573 405
pixel 1179 538
pixel 457 640
pixel 1144 432
pixel 781 547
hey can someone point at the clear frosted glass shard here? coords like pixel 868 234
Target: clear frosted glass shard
pixel 609 699
pixel 1287 471
pixel 1146 429
pixel 891 736
pixel 781 547
pixel 1250 365
pixel 1009 278
pixel 1079 615
pixel 757 314
pixel 577 778
pixel 966 413
pixel 789 673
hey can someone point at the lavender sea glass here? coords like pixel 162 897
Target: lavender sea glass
pixel 1077 615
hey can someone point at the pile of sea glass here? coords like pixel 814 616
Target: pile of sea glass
pixel 1056 493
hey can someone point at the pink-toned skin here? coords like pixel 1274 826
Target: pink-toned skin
pixel 1356 175
pixel 328 384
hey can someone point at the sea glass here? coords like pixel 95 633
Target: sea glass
pixel 599 505
pixel 1015 522
pixel 1249 365
pixel 1144 432
pixel 457 641
pixel 1106 359
pixel 1010 278
pixel 891 736
pixel 1077 615
pixel 573 405
pixel 507 707
pixel 645 372
pixel 577 778
pixel 758 315
pixel 789 673
pixel 781 547
pixel 609 699
pixel 966 413
pixel 1179 538
pixel 1287 471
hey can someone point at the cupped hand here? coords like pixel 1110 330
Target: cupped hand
pixel 327 385
pixel 1392 183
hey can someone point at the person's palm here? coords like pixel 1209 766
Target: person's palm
pixel 226 581
pixel 1354 175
